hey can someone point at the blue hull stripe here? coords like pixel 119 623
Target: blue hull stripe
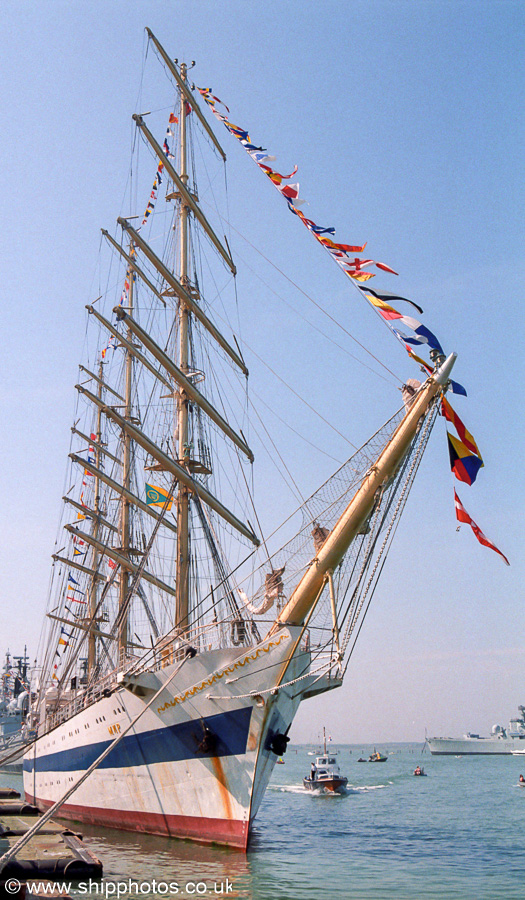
pixel 172 743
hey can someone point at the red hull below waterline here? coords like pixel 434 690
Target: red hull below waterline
pixel 232 833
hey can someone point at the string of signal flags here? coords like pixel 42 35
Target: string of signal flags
pixel 465 458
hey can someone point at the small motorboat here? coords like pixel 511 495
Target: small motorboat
pixel 376 756
pixel 325 775
pixel 280 761
pixel 419 771
pixel 362 759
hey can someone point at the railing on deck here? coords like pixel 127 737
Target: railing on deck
pixel 172 649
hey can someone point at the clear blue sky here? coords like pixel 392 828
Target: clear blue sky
pixel 406 121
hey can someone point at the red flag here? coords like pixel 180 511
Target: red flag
pixel 291 191
pixel 386 268
pixel 463 516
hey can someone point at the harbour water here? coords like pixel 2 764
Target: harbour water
pixel 458 834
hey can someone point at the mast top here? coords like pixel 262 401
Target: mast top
pixel 188 95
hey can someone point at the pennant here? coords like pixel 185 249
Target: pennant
pixel 387 297
pixel 344 248
pixel 237 131
pixel 386 268
pixel 62 641
pixel 358 264
pixel 261 157
pixel 360 276
pixel 77 552
pixel 452 416
pixel 424 335
pixel 249 146
pixel 465 465
pixel 156 496
pixel 276 177
pixel 71 579
pixel 419 360
pixel 167 150
pixel 457 388
pixel 316 229
pixel 388 312
pixel 210 98
pixel 70 611
pixel 463 516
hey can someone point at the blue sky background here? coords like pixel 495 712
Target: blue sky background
pixel 406 121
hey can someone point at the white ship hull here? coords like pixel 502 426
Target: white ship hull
pixel 474 746
pixel 159 779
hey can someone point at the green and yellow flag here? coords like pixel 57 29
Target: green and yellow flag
pixel 156 496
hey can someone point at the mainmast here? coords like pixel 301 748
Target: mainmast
pixel 183 499
pixel 125 527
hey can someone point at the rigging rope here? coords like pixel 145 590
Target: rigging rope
pixel 416 459
pixel 317 305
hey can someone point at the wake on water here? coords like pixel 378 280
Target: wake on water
pixel 320 792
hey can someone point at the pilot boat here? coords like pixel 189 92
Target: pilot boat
pixel 325 774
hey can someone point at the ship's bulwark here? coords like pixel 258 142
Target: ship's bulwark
pixel 197 762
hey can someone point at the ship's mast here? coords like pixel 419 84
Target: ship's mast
pixel 92 591
pixel 183 549
pixel 125 528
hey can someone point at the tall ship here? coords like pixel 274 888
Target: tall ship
pixel 501 742
pixel 179 641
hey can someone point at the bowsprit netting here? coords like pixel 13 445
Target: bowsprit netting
pixel 355 577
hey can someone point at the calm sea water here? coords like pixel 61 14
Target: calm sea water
pixel 458 833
